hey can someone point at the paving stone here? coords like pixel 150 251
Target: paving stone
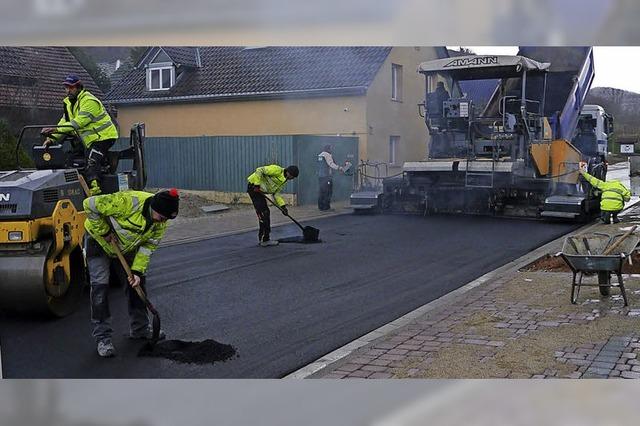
pixel 600 371
pixel 588 375
pixel 380 362
pixel 622 367
pixel 391 357
pixel 629 355
pixel 380 376
pixel 575 356
pixel 350 367
pixel 360 374
pixel 606 365
pixel 374 368
pixel 398 352
pixel 614 373
pixel 630 375
pixel 613 359
pixel 334 375
pixel 384 346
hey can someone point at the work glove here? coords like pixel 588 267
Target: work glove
pixel 47 131
pixel 257 189
pixel 284 210
pixel 583 166
pixel 47 142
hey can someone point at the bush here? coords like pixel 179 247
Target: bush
pixel 8 150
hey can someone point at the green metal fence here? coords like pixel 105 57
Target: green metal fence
pixel 222 163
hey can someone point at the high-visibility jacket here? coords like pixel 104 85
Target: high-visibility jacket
pixel 271 180
pixel 88 117
pixel 614 193
pixel 124 212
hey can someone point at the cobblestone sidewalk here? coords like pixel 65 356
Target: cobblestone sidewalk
pixel 521 325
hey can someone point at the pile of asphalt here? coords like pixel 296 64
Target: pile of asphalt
pixel 298 239
pixel 205 352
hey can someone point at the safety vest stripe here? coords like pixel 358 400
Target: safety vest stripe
pixel 93 117
pixel 74 124
pixel 153 241
pixel 145 251
pixel 612 198
pixel 97 129
pixel 92 204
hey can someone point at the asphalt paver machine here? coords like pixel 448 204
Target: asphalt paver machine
pixel 512 157
pixel 42 268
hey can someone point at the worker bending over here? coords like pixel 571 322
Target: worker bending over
pixel 136 221
pixel 268 180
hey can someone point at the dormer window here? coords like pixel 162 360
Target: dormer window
pixel 161 77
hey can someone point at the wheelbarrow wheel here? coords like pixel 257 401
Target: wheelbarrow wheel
pixel 604 279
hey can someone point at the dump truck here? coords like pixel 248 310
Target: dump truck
pixel 42 267
pixel 516 156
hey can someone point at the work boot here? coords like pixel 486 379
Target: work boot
pixel 269 243
pixel 147 334
pixel 106 349
pixel 95 188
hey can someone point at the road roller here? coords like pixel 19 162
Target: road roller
pixel 42 266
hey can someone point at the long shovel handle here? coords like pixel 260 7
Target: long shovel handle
pixel 286 214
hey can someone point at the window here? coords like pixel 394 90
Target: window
pixel 161 78
pixel 396 82
pixel 394 141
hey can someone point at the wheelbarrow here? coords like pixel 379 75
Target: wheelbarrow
pixel 600 254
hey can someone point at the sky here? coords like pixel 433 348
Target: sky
pixel 615 66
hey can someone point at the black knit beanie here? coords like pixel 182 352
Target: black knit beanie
pixel 166 203
pixel 293 171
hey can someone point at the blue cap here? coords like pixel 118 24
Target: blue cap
pixel 71 80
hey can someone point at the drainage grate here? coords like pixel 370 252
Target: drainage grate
pixel 71 176
pixel 8 208
pixel 50 195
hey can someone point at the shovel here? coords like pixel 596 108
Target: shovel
pixel 309 233
pixel 155 336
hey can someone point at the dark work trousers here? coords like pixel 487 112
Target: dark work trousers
pixel 99 271
pixel 606 216
pixel 96 157
pixel 262 210
pixel 325 190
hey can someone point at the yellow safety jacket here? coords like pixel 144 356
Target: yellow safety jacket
pixel 271 180
pixel 88 116
pixel 614 193
pixel 125 213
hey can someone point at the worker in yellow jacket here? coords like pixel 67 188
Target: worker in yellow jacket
pixel 85 115
pixel 136 221
pixel 268 180
pixel 614 195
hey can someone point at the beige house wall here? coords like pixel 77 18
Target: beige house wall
pixel 313 116
pixel 387 117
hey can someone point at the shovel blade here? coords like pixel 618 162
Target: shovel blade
pixel 310 233
pixel 155 335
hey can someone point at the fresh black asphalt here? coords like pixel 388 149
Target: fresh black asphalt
pixel 280 307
